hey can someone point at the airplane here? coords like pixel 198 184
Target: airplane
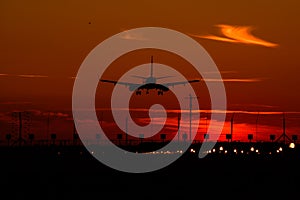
pixel 149 83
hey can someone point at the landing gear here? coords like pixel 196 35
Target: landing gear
pixel 138 92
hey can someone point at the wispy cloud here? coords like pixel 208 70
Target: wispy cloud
pixel 207 79
pixel 53 114
pixel 25 75
pixel 237 34
pixel 15 102
pixel 249 112
pixel 256 105
pixel 132 36
pixel 32 76
pixel 245 80
pixel 260 111
pixel 222 72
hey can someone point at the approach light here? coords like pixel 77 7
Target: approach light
pixel 98 136
pixel 252 149
pixel 280 149
pixel 228 137
pixel 53 136
pixel 163 136
pixel 250 137
pixel 31 136
pixel 119 136
pixel 272 137
pixel 221 148
pixel 292 145
pixel 206 136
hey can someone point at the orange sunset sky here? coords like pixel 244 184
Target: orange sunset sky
pixel 253 43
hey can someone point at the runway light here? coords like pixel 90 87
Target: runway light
pixel 225 151
pixel 221 148
pixel 242 151
pixel 277 151
pixel 256 150
pixel 292 145
pixel 252 149
pixel 234 151
pixel 280 149
pixel 213 150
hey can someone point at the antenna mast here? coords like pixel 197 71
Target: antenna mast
pixel 283 135
pixel 231 125
pixel 256 125
pixel 191 107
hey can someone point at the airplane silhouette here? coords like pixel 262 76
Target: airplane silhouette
pixel 149 83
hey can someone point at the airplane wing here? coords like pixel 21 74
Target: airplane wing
pixel 180 83
pixel 132 86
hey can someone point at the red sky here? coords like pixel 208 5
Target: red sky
pixel 253 43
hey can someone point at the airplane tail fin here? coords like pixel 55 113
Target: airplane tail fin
pixel 151 71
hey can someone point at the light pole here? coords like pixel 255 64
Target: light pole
pixel 191 106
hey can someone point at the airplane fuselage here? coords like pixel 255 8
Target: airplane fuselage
pixel 149 83
pixel 150 80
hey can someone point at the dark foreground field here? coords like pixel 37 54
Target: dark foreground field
pixel 43 173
